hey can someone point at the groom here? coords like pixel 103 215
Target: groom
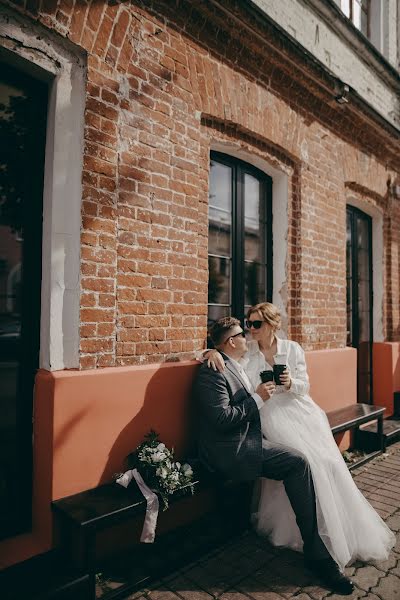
pixel 229 441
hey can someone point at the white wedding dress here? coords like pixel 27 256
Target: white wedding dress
pixel 348 525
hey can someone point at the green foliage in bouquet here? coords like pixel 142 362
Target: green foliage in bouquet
pixel 156 464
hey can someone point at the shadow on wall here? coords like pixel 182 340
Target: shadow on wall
pixel 165 408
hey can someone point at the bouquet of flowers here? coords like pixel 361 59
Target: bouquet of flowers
pixel 156 464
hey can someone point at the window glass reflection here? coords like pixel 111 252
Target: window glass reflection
pixel 218 280
pixel 238 235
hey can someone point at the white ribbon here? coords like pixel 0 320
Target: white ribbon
pixel 150 520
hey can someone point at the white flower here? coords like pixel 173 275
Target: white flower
pixel 158 457
pixel 187 470
pixel 161 447
pixel 178 465
pixel 162 472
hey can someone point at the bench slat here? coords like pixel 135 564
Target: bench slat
pixel 351 416
pixel 101 506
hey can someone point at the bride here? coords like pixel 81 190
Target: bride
pixel 348 525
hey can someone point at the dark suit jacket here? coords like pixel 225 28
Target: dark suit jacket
pixel 227 423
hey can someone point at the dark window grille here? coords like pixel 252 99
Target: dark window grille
pixel 240 237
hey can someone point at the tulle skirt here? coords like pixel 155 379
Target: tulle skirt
pixel 348 525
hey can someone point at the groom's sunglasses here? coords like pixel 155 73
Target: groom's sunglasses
pixel 255 324
pixel 242 333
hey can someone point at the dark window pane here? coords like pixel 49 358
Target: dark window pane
pixel 359 306
pixel 23 109
pixel 219 239
pixel 253 222
pixel 349 269
pixel 349 283
pixel 364 326
pixel 254 283
pixel 363 296
pixel 216 312
pixel 219 280
pixel 349 341
pixel 220 210
pixel 255 240
pixel 363 265
pixel 362 234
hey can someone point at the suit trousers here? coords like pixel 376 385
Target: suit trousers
pixel 291 467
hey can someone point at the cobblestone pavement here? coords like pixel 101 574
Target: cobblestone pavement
pixel 249 568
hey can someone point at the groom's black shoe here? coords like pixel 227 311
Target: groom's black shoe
pixel 328 571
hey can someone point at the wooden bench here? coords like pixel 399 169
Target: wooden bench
pixel 351 417
pixel 87 514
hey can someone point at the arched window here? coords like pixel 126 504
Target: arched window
pixel 239 238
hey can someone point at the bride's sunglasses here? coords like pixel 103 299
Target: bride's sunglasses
pixel 255 324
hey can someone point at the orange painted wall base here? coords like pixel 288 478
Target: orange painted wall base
pixel 86 422
pixel 386 374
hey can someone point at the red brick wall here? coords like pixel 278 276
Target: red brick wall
pixel 161 88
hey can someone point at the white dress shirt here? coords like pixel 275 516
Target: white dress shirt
pixel 248 385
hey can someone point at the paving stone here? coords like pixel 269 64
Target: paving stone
pixel 382 513
pixel 364 487
pixel 295 574
pixel 372 477
pixel 377 496
pixel 272 581
pixel 187 589
pixel 257 590
pixel 388 588
pixel 385 565
pixel 394 521
pixel 389 494
pixel 233 595
pixel 207 581
pixel 162 595
pixel 367 577
pixel 386 470
pixel 268 595
pixel 393 484
pixel 265 595
pixel 315 592
pixel 354 596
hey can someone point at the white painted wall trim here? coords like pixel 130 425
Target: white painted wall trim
pixel 377 262
pixel 279 221
pixel 49 57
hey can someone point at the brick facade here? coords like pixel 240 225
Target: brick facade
pixel 166 81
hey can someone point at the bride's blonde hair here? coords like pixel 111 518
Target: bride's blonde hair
pixel 269 312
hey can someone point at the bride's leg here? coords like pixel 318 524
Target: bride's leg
pixel 291 467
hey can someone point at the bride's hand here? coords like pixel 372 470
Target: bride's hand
pixel 215 360
pixel 285 379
